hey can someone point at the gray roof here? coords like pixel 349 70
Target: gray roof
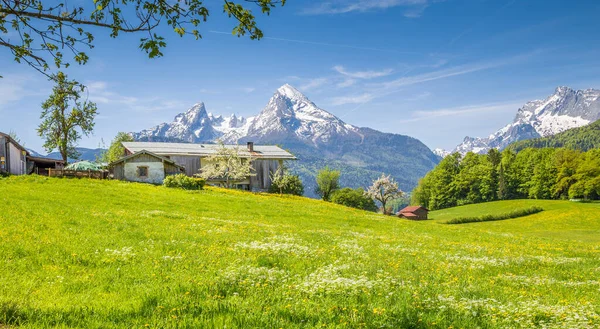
pixel 202 150
pixel 145 152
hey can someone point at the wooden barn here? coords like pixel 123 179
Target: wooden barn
pixel 144 167
pixel 413 212
pixel 13 156
pixel 266 159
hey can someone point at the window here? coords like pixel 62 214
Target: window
pixel 142 171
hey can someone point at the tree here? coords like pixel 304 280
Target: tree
pixel 355 198
pixel 328 181
pixel 65 118
pixel 46 29
pixel 116 149
pixel 283 182
pixel 384 189
pixel 227 166
pixel 15 137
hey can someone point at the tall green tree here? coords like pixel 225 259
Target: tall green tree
pixel 116 149
pixel 543 180
pixel 65 117
pixel 328 181
pixel 442 182
pixel 49 32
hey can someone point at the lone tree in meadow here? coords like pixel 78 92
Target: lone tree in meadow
pixel 45 33
pixel 227 166
pixel 65 118
pixel 384 190
pixel 328 181
pixel 116 149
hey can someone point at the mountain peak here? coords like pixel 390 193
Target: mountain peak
pixel 289 91
pixel 565 109
pixel 561 90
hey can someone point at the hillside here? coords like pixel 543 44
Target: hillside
pixel 581 138
pixel 317 137
pixel 126 255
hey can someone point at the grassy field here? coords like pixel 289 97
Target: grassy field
pixel 106 254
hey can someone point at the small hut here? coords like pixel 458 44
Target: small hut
pixel 144 167
pixel 413 212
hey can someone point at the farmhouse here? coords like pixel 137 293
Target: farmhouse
pixel 13 156
pixel 266 159
pixel 413 212
pixel 144 167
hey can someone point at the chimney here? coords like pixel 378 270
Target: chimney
pixel 250 146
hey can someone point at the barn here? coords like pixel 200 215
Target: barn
pixel 266 159
pixel 144 167
pixel 413 212
pixel 13 156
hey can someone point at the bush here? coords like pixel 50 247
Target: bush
pixel 184 182
pixel 4 174
pixel 489 218
pixel 354 198
pixel 287 184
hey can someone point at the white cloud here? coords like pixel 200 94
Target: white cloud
pixel 454 71
pixel 358 99
pixel 463 110
pixel 248 89
pixel 363 74
pixel 414 7
pixel 346 83
pixel 313 83
pixel 98 92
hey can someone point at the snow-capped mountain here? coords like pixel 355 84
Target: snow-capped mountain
pixel 441 152
pixel 563 110
pixel 317 137
pixel 289 114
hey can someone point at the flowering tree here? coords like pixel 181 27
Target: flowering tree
pixel 283 182
pixel 384 189
pixel 227 165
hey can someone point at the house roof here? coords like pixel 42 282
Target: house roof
pixel 411 209
pixel 169 161
pixel 10 139
pixel 409 214
pixel 260 151
pixel 44 160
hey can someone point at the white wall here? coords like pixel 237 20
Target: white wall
pixel 17 165
pixel 156 172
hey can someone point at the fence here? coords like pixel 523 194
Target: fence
pixel 78 173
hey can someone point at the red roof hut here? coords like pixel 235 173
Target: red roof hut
pixel 413 212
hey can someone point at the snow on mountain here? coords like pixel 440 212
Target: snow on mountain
pixel 563 110
pixel 288 114
pixel 441 152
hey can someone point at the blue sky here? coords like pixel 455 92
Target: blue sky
pixel 432 69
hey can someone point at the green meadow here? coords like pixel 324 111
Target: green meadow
pixel 109 254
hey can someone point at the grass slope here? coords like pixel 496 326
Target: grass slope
pixel 106 254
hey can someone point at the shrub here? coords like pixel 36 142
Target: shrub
pixel 488 218
pixel 354 198
pixel 184 182
pixel 4 174
pixel 287 184
pixel 328 181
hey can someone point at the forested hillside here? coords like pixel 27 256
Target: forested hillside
pixel 545 173
pixel 582 138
